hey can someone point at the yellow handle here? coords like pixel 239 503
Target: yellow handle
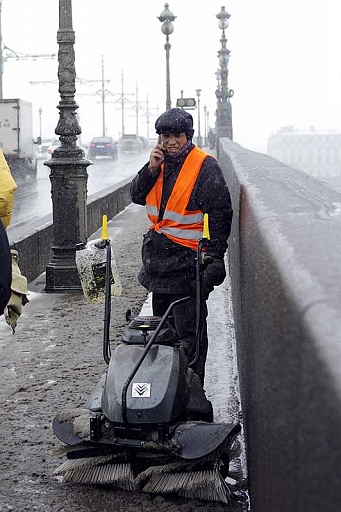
pixel 105 235
pixel 206 232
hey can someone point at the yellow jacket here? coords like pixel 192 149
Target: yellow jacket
pixel 7 188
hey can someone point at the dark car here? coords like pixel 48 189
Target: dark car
pixel 130 143
pixel 103 146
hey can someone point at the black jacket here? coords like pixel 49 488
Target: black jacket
pixel 167 266
pixel 5 269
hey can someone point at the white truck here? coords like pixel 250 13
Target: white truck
pixel 16 138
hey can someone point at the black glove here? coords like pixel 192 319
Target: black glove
pixel 214 275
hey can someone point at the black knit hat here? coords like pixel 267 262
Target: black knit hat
pixel 175 120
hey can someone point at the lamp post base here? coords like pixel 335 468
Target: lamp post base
pixel 224 120
pixel 69 200
pixel 62 278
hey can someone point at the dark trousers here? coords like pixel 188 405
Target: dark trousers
pixel 5 269
pixel 183 317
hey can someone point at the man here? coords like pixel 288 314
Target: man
pixel 178 185
pixel 212 138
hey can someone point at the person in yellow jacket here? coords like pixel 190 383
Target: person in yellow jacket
pixel 18 290
pixel 7 188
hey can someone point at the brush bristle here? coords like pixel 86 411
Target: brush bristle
pixel 234 451
pixel 119 475
pixel 97 471
pixel 206 485
pixel 74 464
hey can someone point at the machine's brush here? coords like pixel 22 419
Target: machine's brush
pixel 102 470
pixel 201 479
pixel 73 464
pixel 186 481
pixel 235 465
pixel 118 475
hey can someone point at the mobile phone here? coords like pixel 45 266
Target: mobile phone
pixel 159 141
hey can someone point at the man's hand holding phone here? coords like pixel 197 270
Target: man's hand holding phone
pixel 157 157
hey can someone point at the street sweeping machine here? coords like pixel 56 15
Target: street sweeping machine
pixel 148 425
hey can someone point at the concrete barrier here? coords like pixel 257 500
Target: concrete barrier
pixel 35 248
pixel 285 264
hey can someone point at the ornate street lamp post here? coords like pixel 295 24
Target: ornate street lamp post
pixel 217 75
pixel 199 141
pixel 40 111
pixel 166 18
pixel 103 100
pixel 205 119
pixel 223 93
pixel 68 169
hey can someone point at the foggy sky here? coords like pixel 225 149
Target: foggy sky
pixel 284 65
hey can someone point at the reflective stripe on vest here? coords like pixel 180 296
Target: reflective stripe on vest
pixel 178 224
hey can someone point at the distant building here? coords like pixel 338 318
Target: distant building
pixel 317 153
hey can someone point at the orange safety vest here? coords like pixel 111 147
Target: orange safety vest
pixel 182 226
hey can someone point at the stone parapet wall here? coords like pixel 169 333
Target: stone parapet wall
pixel 35 248
pixel 285 265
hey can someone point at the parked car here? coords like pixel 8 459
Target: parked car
pixel 152 142
pixel 54 144
pixel 144 142
pixel 130 143
pixel 103 146
pixel 43 148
